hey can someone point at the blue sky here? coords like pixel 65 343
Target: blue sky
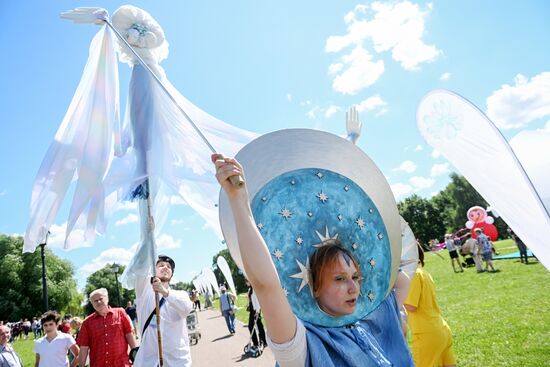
pixel 268 66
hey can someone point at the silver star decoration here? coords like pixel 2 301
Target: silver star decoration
pixel 372 263
pixel 371 210
pixel 303 274
pixel 278 254
pixel 285 292
pixel 327 236
pixel 322 197
pixel 346 188
pixel 260 226
pixel 309 214
pixel 339 216
pixel 293 182
pixel 354 246
pixel 380 236
pixel 370 296
pixel 299 240
pixel 286 213
pixel 264 199
pixel 319 174
pixel 360 223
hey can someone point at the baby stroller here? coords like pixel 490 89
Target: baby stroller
pixel 250 348
pixel 193 329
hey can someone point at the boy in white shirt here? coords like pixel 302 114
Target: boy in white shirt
pixel 51 349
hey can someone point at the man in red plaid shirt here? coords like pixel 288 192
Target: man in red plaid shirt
pixel 105 334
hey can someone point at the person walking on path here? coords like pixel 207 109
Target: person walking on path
pixel 106 334
pixel 255 319
pixel 432 341
pixel 453 253
pixel 174 307
pixel 8 357
pixel 132 314
pixel 51 350
pixel 227 309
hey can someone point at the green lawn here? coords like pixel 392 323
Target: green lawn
pixel 498 320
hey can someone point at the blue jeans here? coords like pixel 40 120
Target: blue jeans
pixel 229 316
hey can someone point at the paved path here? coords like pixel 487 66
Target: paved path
pixel 218 348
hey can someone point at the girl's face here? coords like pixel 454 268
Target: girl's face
pixel 338 294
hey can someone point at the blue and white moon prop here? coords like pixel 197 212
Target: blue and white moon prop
pixel 307 186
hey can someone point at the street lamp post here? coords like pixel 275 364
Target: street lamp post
pixel 115 267
pixel 45 306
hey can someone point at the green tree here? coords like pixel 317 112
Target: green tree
pixel 423 217
pixel 105 278
pixel 182 286
pixel 236 273
pixel 21 281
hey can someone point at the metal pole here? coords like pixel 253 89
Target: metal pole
pixel 117 290
pixel 45 306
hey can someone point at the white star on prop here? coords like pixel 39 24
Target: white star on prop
pixel 278 254
pixel 326 237
pixel 293 182
pixel 322 197
pixel 372 262
pixel 264 199
pixel 309 214
pixel 303 274
pixel 380 236
pixel 286 213
pixel 260 226
pixel 346 188
pixel 354 246
pixel 371 210
pixel 360 222
pixel 339 216
pixel 319 174
pixel 299 240
pixel 285 292
pixel 370 296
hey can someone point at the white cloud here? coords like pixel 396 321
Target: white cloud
pixel 130 218
pixel 400 189
pixel 177 221
pixel 421 183
pixel 396 27
pixel 406 166
pixel 436 154
pixel 305 103
pixel 439 169
pixel 119 255
pixel 56 238
pixel 418 148
pixel 374 103
pixel 3 192
pixel 361 72
pixel 312 113
pixel 289 97
pixel 331 110
pixel 167 242
pixel 514 106
pixel 445 76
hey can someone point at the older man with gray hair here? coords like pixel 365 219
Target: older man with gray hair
pixel 8 357
pixel 105 334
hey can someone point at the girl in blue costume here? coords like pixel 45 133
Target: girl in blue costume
pixel 335 284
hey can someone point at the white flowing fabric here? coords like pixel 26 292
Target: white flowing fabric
pixel 409 252
pixel 471 142
pixel 210 277
pixel 80 153
pixel 224 268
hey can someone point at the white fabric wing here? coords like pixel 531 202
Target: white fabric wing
pixel 80 151
pixel 224 268
pixel 471 142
